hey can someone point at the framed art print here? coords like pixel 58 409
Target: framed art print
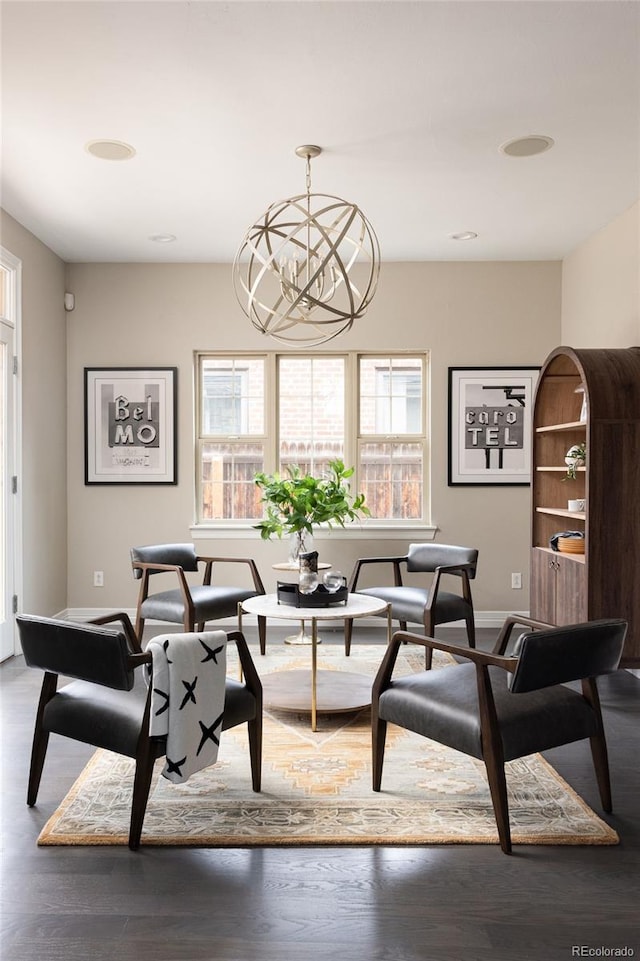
pixel 130 425
pixel 490 411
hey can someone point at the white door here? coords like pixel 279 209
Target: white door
pixel 7 492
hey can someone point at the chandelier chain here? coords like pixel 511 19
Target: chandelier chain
pixel 308 179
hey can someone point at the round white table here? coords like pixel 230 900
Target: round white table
pixel 329 692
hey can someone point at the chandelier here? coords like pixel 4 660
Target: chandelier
pixel 293 272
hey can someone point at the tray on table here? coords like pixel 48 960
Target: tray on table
pixel 291 595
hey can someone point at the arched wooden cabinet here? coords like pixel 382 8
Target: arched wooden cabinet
pixel 605 580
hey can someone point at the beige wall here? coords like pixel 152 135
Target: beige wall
pixel 44 421
pixel 601 287
pixel 142 314
pixel 466 314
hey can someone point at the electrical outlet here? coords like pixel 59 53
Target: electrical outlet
pixel 98 578
pixel 516 582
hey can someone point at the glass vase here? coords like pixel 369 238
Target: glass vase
pixel 300 542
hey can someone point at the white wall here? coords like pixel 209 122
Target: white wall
pixel 155 315
pixel 44 421
pixel 601 286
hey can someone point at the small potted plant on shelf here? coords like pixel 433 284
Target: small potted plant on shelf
pixel 297 502
pixel 575 457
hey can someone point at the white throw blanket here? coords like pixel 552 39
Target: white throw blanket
pixel 187 703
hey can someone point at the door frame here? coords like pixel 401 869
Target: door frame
pixel 13 319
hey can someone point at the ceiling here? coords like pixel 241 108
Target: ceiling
pixel 409 100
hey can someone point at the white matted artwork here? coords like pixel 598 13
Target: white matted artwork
pixel 130 425
pixel 490 425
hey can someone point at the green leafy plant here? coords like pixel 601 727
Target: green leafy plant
pixel 299 501
pixel 574 459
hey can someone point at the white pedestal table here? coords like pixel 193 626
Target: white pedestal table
pixel 316 691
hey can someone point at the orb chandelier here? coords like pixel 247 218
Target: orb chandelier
pixel 293 270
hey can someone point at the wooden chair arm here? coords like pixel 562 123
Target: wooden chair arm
pixel 469 653
pixel 210 561
pixel 396 561
pixel 454 568
pixel 124 619
pixel 249 671
pixel 510 622
pixel 481 659
pixel 145 566
pixel 457 570
pixel 138 660
pixel 148 569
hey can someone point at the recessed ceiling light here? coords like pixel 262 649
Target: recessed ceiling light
pixel 527 146
pixel 110 149
pixel 464 235
pixel 162 238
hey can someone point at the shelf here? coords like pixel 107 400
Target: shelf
pixel 562 470
pixel 573 425
pixel 569 588
pixel 578 558
pixel 562 512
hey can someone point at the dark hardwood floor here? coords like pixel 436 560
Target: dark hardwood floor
pixel 442 903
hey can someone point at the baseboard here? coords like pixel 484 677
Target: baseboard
pixel 89 613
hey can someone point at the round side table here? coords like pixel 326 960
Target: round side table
pixel 329 692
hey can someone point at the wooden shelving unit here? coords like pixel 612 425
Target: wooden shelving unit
pixel 605 580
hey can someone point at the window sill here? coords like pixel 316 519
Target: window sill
pixel 360 532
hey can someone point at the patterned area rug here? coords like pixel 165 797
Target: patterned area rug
pixel 316 787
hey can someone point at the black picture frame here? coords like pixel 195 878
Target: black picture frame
pixel 490 425
pixel 130 425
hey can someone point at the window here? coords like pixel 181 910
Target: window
pixel 311 412
pixel 231 436
pixel 391 443
pixel 266 412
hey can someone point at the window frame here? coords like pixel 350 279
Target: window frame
pixel 232 440
pixel 353 438
pixel 421 438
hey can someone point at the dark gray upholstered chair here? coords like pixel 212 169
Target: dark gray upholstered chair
pixel 498 708
pixel 190 605
pixel 429 605
pixel 108 702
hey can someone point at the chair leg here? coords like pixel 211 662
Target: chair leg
pixel 379 734
pixel 429 631
pixel 254 728
pixel 428 657
pixel 262 634
pixel 601 765
pixel 403 627
pixel 498 788
pixel 38 754
pixel 471 630
pixel 348 633
pixel 40 737
pixel 139 628
pixel 141 788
